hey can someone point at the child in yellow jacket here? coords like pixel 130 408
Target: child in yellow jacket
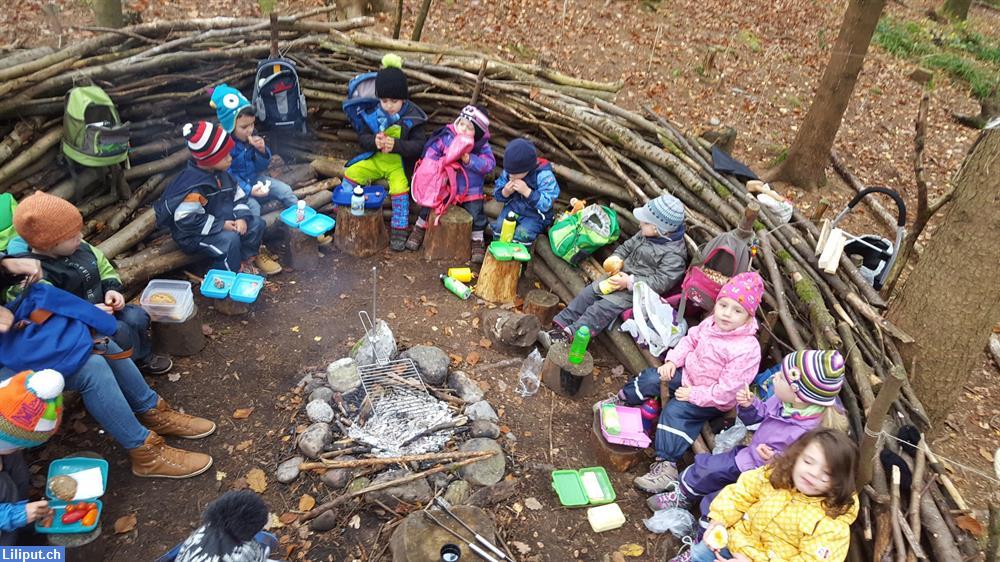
pixel 797 509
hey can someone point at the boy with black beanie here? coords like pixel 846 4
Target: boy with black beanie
pixel 527 187
pixel 393 142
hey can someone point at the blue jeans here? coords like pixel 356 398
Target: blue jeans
pixel 701 553
pixel 133 332
pixel 280 191
pixel 113 392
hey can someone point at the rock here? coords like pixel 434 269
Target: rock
pixel 482 411
pixel 358 483
pixel 323 393
pixel 342 375
pixel 314 439
pixel 487 471
pixel 484 428
pixel 288 471
pixel 319 411
pixel 415 492
pixel 384 348
pixel 466 388
pixel 431 362
pixel 418 539
pixel 326 521
pixel 457 492
pixel 313 384
pixel 439 480
pixel 337 478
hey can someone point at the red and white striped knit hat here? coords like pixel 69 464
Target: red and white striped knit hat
pixel 208 142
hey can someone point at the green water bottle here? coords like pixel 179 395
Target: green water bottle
pixel 457 287
pixel 578 349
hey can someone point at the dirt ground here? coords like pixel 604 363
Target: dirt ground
pixel 768 57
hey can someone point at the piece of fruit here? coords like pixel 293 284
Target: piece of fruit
pixel 71 517
pixel 62 487
pixel 90 518
pixel 47 522
pixel 717 538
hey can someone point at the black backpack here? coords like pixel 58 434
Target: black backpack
pixel 277 96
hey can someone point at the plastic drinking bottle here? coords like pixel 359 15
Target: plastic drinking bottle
pixel 358 202
pixel 463 274
pixel 578 349
pixel 507 228
pixel 609 417
pixel 300 211
pixel 457 287
pixel 606 287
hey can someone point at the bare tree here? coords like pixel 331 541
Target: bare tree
pixel 809 153
pixel 950 301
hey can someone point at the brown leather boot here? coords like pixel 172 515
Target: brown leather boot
pixel 156 459
pixel 416 238
pixel 166 421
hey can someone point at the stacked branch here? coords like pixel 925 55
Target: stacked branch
pixel 158 75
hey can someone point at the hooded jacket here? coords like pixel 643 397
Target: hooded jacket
pixel 717 364
pixel 197 204
pixel 411 137
pixel 776 430
pixel 544 191
pixel 248 164
pixel 767 524
pixel 658 261
pixel 481 161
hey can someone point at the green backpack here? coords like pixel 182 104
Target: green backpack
pixel 93 134
pixel 576 236
pixel 7 206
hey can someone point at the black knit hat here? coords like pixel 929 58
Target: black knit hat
pixel 520 157
pixel 391 83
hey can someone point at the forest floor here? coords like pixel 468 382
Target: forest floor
pixel 752 65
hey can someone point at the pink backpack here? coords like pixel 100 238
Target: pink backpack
pixel 435 180
pixel 725 256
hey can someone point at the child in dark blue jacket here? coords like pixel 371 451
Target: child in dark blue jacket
pixel 200 206
pixel 527 187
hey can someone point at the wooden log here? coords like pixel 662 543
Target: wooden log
pixel 876 415
pixel 448 239
pixel 28 155
pixel 357 463
pixel 617 458
pixel 302 251
pixel 498 280
pixel 573 380
pixel 542 305
pixel 510 328
pixel 180 339
pixel 937 532
pixel 360 236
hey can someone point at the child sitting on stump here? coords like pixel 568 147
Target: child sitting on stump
pixel 707 369
pixel 527 187
pixel 805 396
pixel 200 206
pixel 30 412
pixel 392 144
pixel 475 164
pixel 655 255
pixel 51 227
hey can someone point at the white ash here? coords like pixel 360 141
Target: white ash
pixel 401 415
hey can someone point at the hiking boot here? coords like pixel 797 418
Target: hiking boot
pixel 397 239
pixel 548 337
pixel 156 459
pixel 661 474
pixel 416 238
pixel 324 239
pixel 478 252
pixel 674 498
pixel 166 421
pixel 266 262
pixel 156 365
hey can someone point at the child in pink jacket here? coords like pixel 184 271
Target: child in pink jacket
pixel 714 361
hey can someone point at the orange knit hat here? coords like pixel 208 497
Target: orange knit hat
pixel 45 220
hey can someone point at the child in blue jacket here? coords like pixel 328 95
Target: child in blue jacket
pixel 527 187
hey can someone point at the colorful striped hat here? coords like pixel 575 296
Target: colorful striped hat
pixel 815 376
pixel 208 143
pixel 30 408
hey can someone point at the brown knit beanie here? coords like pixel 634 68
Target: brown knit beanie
pixel 45 220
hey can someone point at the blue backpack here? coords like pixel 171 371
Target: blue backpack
pixel 277 96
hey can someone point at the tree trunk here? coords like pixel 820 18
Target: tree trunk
pixel 810 151
pixel 418 27
pixel 956 9
pixel 108 13
pixel 956 278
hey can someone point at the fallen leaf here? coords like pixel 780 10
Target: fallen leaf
pixel 618 371
pixel 983 452
pixel 306 502
pixel 970 524
pixel 475 322
pixel 518 508
pixel 174 377
pixel 521 547
pixel 257 480
pixel 391 316
pixel 472 358
pixel 242 413
pixel 355 522
pixel 244 445
pixel 631 550
pixel 275 522
pixel 318 338
pixel 125 523
pixel 485 343
pixel 455 358
pixel 532 504
pixel 343 296
pixel 239 484
pixel 220 476
pixel 206 330
pixel 295 329
pixel 288 518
